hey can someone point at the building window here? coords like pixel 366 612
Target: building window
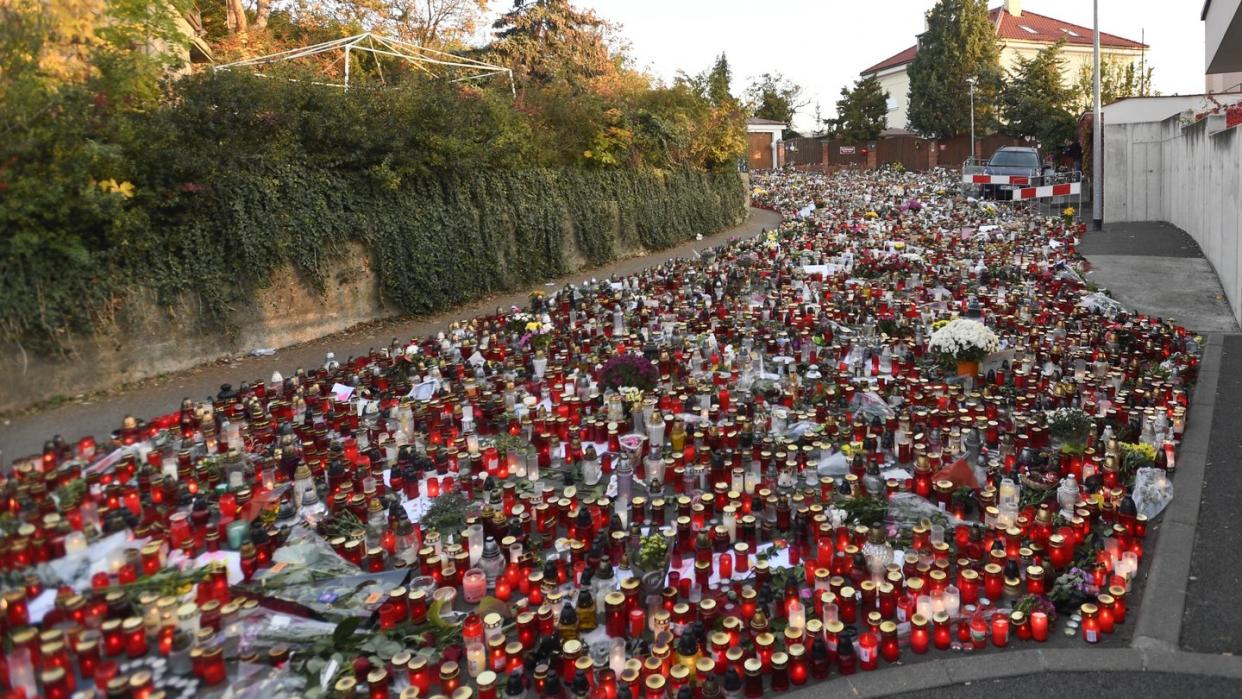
pixel 892 104
pixel 1028 29
pixel 1071 32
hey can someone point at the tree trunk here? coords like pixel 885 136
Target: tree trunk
pixel 261 12
pixel 236 16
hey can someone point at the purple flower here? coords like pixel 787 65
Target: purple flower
pixel 629 370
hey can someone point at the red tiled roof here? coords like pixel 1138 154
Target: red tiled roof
pixel 1047 30
pixel 892 61
pixel 1043 30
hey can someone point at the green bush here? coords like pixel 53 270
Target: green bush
pixel 455 192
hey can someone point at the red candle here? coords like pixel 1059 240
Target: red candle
pixel 1090 624
pixel 919 636
pixel 135 637
pixel 725 566
pixel 638 622
pixel 798 670
pixel 1000 631
pixel 1106 613
pixel 228 507
pixel 942 635
pixel 993 581
pixel 868 650
pixel 1039 626
pixel 889 648
pixel 214 671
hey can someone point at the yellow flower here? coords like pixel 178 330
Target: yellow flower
pixel 1069 211
pixel 532 326
pixel 111 186
pixel 871 214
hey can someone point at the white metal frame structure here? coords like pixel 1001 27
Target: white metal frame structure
pixel 425 59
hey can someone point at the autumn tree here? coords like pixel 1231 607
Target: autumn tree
pixel 959 43
pixel 773 96
pixel 862 112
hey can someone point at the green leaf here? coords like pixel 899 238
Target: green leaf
pixel 345 629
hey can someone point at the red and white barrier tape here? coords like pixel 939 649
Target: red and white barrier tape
pixel 995 179
pixel 1051 190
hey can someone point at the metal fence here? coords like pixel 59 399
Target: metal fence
pixel 1052 205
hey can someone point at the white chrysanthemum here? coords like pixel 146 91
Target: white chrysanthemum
pixel 964 337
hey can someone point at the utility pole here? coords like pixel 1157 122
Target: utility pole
pixel 1097 129
pixel 972 80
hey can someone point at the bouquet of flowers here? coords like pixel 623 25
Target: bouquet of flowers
pixel 629 370
pixel 1067 215
pixel 964 340
pixel 1069 425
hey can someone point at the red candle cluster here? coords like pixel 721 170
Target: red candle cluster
pixel 646 458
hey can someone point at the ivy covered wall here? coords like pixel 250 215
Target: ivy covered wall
pixel 451 193
pixel 265 260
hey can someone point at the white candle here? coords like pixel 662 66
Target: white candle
pixel 952 601
pixel 924 606
pixel 74 542
pixel 797 615
pixel 476 658
pixel 616 656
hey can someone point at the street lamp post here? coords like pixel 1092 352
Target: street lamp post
pixel 972 80
pixel 1097 129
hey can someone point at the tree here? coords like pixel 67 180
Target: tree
pixel 1118 78
pixel 262 11
pixel 547 41
pixel 237 21
pixel 1036 103
pixel 718 79
pixel 773 96
pixel 959 43
pixel 862 112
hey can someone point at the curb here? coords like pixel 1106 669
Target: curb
pixel 959 670
pixel 1160 614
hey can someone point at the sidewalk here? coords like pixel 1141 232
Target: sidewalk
pixel 25 434
pixel 1155 268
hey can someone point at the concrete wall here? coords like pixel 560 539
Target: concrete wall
pixel 1190 176
pixel 143 338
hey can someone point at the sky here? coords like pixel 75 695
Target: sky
pixel 823 44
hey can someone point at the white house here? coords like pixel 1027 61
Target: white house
pixel 1020 34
